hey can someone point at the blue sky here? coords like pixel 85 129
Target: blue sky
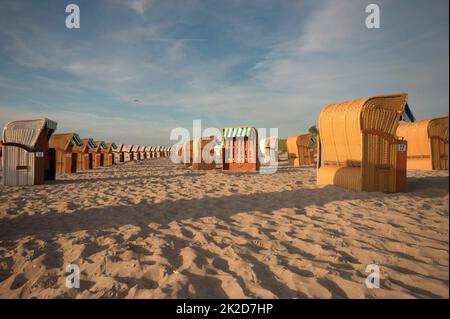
pixel 136 69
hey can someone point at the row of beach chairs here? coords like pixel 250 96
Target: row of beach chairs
pixel 32 153
pixel 364 144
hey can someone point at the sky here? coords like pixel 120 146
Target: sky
pixel 137 69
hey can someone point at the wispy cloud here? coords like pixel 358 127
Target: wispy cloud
pixel 334 26
pixel 139 6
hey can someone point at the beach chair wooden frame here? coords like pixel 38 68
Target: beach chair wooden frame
pixel 153 151
pixel 66 158
pixel 198 146
pixel 97 155
pixel 148 152
pixel 27 158
pixel 118 154
pixel 142 153
pixel 358 148
pixel 107 152
pixel 240 151
pixel 84 157
pixel 299 150
pixel 135 153
pixel 427 143
pixel 158 151
pixel 127 153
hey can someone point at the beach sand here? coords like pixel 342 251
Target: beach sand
pixel 153 229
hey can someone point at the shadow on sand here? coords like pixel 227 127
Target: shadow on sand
pixel 54 223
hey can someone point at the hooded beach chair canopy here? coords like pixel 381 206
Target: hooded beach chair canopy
pixel 240 153
pixel 135 148
pixel 127 148
pixel 118 148
pixel 100 145
pixel 94 146
pixel 25 152
pixel 304 140
pixel 65 141
pixel 300 150
pixel 231 132
pixel 86 144
pixel 358 145
pixel 407 115
pixel 200 159
pixel 110 147
pixel 91 143
pixel 25 133
pixel 427 143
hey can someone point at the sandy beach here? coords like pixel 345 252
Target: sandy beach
pixel 154 229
